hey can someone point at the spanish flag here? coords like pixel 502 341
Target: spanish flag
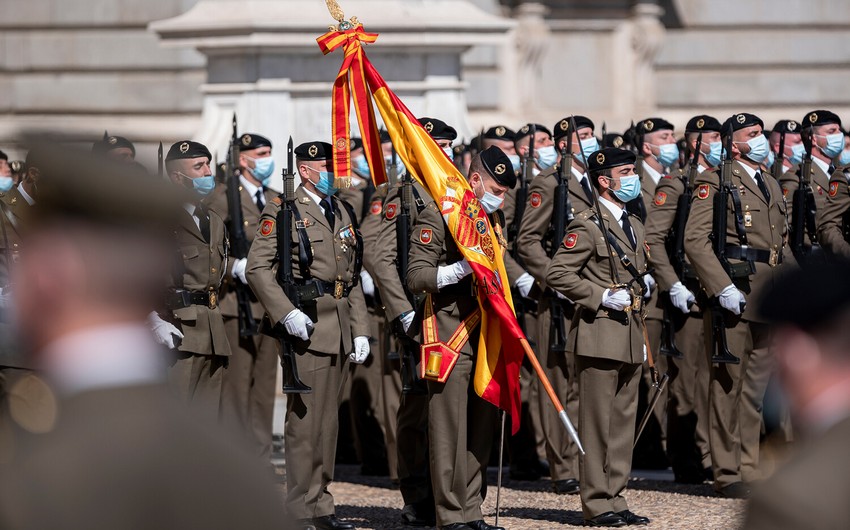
pixel 500 348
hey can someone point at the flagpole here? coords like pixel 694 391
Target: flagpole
pixel 499 475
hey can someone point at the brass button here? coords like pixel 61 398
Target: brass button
pixel 245 223
pixel 212 269
pixel 772 227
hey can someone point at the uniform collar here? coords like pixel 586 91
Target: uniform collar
pixel 821 164
pixel 578 174
pixel 318 200
pixel 654 175
pixel 250 188
pixel 615 210
pixel 751 171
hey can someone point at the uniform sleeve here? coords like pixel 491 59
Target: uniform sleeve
pixel 369 230
pixel 659 221
pixel 427 239
pixel 698 248
pixel 260 270
pixel 564 273
pixel 359 315
pixel 830 218
pixel 535 225
pixel 509 206
pixel 385 273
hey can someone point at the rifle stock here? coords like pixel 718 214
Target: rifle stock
pixel 557 327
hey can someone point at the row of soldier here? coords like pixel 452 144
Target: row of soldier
pixel 568 298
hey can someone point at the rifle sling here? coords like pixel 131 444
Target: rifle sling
pixel 305 249
pixel 624 259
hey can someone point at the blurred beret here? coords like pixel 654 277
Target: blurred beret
pixel 820 117
pixel 356 143
pixel 610 157
pixel 809 295
pixel 112 142
pixel 702 123
pixel 740 121
pixel 651 125
pixel 613 140
pixel 187 149
pixel 438 129
pixel 499 166
pixel 314 151
pixel 385 136
pixel 562 128
pixel 459 150
pixel 525 130
pixel 787 127
pixel 500 132
pixel 3 156
pixel 250 141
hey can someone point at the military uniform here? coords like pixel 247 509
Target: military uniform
pixel 322 361
pixel 737 390
pixel 831 217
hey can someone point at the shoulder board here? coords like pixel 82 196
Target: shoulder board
pixel 277 200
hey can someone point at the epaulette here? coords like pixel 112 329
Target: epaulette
pixel 277 200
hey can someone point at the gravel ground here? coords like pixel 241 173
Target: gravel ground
pixel 375 503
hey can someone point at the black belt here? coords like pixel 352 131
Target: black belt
pixel 771 257
pixel 338 289
pixel 465 287
pixel 180 299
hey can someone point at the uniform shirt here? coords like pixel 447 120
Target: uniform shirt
pixel 616 212
pixel 654 175
pixel 191 209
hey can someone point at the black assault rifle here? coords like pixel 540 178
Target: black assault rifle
pixel 804 209
pixel 557 327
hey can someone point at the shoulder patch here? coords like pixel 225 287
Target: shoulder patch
pixel 266 227
pixel 277 201
pixel 703 191
pixel 392 209
pixel 571 240
pixel 535 200
pixel 660 198
pixel 784 192
pixel 425 236
pixel 375 208
pixel 833 189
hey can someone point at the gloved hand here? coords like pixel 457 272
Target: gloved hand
pixel 561 296
pixel 406 319
pixel 239 270
pixel 650 286
pixel 682 297
pixel 617 300
pixel 361 350
pixel 732 299
pixel 451 274
pixel 298 324
pixel 644 353
pixel 524 283
pixel 367 283
pixel 164 332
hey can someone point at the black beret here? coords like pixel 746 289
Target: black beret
pixel 109 143
pixel 525 130
pixel 314 151
pixel 702 123
pixel 499 166
pixel 385 136
pixel 459 150
pixel 820 117
pixel 187 149
pixel 787 126
pixel 651 125
pixel 250 141
pixel 740 121
pixel 3 156
pixel 610 157
pixel 438 129
pixel 613 140
pixel 356 143
pixel 809 295
pixel 500 132
pixel 562 128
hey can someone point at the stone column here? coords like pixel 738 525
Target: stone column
pixel 532 42
pixel 637 42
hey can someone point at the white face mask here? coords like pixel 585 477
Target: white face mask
pixel 490 202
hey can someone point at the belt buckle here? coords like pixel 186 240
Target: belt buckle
pixel 339 289
pixel 773 260
pixel 213 299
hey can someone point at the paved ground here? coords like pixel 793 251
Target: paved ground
pixel 375 503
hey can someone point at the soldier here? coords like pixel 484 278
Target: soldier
pixel 794 149
pixel 607 332
pixel 754 250
pixel 248 389
pixel 115 147
pixel 460 424
pixel 6 180
pixel 326 334
pixel 687 408
pixel 537 236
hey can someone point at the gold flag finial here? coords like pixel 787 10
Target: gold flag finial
pixel 338 15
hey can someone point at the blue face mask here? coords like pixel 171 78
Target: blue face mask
pixel 325 185
pixel 263 169
pixel 667 154
pixel 204 185
pixel 834 144
pixel 844 158
pixel 546 157
pixel 770 159
pixel 715 151
pixel 515 161
pixel 629 188
pixel 588 147
pixel 797 153
pixel 449 153
pixel 5 184
pixel 758 149
pixel 361 165
pixel 399 165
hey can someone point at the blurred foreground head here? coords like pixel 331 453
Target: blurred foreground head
pixel 97 245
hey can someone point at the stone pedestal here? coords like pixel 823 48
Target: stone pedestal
pixel 263 61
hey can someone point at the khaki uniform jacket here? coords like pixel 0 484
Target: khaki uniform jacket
pixel 536 231
pixel 768 232
pixel 581 271
pixel 790 182
pixel 355 196
pixel 12 216
pixel 337 321
pixel 370 227
pixel 217 202
pixel 204 264
pixel 830 218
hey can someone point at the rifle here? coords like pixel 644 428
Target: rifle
pixel 721 353
pixel 803 208
pixel 557 329
pixel 159 165
pixel 676 251
pixel 779 162
pixel 291 382
pixel 238 238
pixel 527 173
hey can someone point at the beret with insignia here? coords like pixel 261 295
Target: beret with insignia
pixel 820 117
pixel 702 123
pixel 499 166
pixel 109 143
pixel 651 125
pixel 525 130
pixel 438 129
pixel 459 150
pixel 613 140
pixel 187 149
pixel 609 157
pixel 250 141
pixel 562 128
pixel 500 132
pixel 787 127
pixel 356 143
pixel 314 151
pixel 740 121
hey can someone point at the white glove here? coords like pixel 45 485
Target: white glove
pixel 406 320
pixel 682 297
pixel 644 353
pixel 239 270
pixel 650 285
pixel 298 324
pixel 524 283
pixel 617 300
pixel 451 274
pixel 361 350
pixel 164 333
pixel 367 283
pixel 732 299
